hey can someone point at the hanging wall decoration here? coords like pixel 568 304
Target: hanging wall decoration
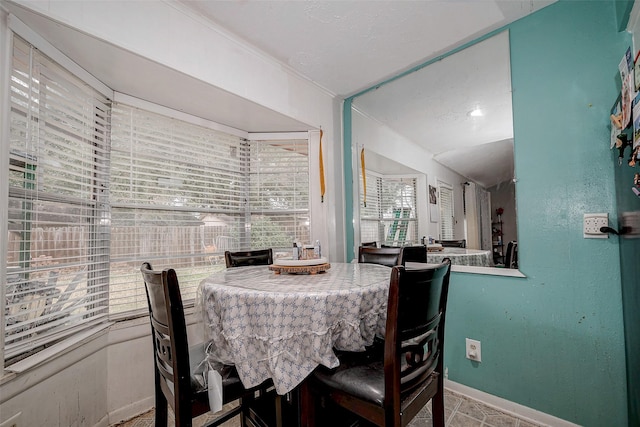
pixel 364 178
pixel 434 212
pixel 322 185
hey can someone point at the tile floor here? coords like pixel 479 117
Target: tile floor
pixel 460 411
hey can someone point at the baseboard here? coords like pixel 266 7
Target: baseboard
pixel 507 406
pixel 130 411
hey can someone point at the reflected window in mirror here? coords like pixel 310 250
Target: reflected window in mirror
pixel 389 214
pixel 447 217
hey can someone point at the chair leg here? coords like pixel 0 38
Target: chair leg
pixel 278 410
pixel 183 417
pixel 437 407
pixel 161 409
pixel 245 405
pixel 307 406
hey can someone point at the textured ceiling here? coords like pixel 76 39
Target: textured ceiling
pixel 349 46
pixel 345 47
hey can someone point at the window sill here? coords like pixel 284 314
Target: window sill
pixel 54 351
pixel 492 271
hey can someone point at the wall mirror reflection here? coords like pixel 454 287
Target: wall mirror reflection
pixel 433 154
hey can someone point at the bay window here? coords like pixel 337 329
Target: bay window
pixel 97 187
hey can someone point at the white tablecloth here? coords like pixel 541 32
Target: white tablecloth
pixel 462 256
pixel 282 326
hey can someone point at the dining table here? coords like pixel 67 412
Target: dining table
pixel 282 326
pixel 462 256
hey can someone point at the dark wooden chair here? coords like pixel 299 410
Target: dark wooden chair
pixel 511 258
pixel 453 243
pixel 175 384
pixel 390 386
pixel 413 254
pixel 247 258
pixel 385 256
pixel 370 244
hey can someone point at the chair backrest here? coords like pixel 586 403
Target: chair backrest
pixel 247 258
pixel 169 332
pixel 370 244
pixel 414 336
pixel 413 254
pixel 384 256
pixel 511 258
pixel 453 243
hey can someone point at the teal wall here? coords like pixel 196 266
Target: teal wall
pixel 554 340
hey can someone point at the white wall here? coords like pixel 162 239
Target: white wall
pixel 68 389
pixel 380 139
pixel 105 379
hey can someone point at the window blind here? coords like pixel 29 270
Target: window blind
pixel 390 215
pixel 183 194
pixel 177 200
pixel 278 195
pixel 57 257
pixel 446 211
pixel 371 226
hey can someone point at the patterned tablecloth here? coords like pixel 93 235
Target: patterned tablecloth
pixel 282 326
pixel 461 256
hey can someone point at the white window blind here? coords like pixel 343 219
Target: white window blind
pixel 182 194
pixel 371 225
pixel 446 211
pixel 177 200
pixel 390 215
pixel 279 194
pixel 57 257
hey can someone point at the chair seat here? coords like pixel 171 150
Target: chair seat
pixel 365 381
pixel 360 375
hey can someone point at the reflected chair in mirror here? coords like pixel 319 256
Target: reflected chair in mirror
pixel 511 257
pixel 177 382
pixel 384 256
pixel 370 244
pixel 389 386
pixel 247 258
pixel 453 243
pixel 413 254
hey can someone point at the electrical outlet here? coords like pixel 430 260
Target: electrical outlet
pixel 474 350
pixel 592 224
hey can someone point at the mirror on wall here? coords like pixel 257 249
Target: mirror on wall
pixel 448 123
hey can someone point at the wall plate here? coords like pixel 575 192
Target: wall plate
pixel 592 223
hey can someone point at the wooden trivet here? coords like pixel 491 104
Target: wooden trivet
pixel 300 269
